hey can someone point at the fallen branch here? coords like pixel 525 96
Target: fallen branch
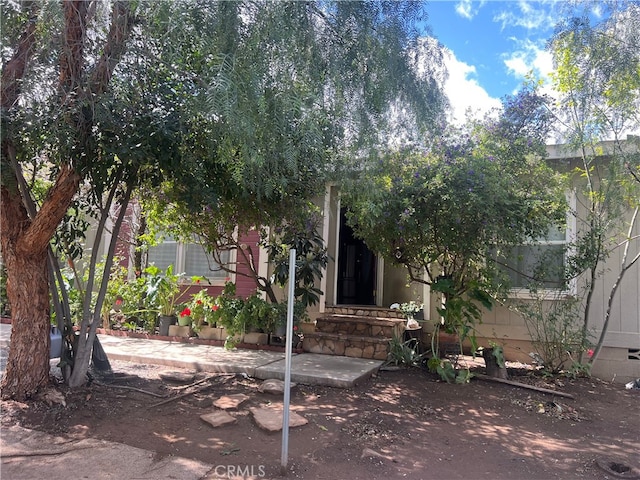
pixel 177 397
pixel 124 387
pixel 523 385
pixel 184 387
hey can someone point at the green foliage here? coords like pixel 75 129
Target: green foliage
pixel 448 372
pixel 554 324
pixel 204 309
pixel 409 309
pixel 498 353
pixel 311 257
pixel 163 289
pixel 447 211
pixel 403 353
pixel 452 209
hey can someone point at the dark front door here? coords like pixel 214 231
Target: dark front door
pixel 356 268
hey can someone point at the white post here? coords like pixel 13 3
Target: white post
pixel 287 364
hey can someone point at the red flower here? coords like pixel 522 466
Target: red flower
pixel 590 352
pixel 198 302
pixel 215 308
pixel 186 312
pixel 119 301
pixel 295 327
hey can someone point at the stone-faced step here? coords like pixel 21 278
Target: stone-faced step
pixel 347 345
pixel 355 325
pixel 365 311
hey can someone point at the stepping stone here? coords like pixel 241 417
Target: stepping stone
pixel 218 418
pixel 274 386
pixel 177 377
pixel 230 401
pixel 270 419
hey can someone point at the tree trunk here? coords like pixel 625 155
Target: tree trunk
pixel 28 292
pixel 494 369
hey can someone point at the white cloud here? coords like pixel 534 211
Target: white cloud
pixel 529 57
pixel 468 9
pixel 529 15
pixel 464 91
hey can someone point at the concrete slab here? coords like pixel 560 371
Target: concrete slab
pixel 316 369
pixel 204 358
pixel 28 454
pixel 307 368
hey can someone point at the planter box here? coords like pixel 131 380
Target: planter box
pixel 179 331
pixel 212 333
pixel 256 338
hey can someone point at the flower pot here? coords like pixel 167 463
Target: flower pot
pixel 165 322
pixel 184 321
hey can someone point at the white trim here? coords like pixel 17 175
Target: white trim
pixel 326 224
pixel 426 297
pixel 337 255
pixel 263 260
pixel 379 279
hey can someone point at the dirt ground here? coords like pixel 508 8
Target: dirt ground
pixel 399 424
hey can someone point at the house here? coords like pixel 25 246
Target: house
pixel 356 276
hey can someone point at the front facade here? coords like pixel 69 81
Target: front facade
pixel 356 276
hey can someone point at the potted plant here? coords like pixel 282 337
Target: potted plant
pixel 409 310
pixel 229 307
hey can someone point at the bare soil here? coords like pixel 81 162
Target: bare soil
pixel 399 424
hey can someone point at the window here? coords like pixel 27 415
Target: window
pixel 543 259
pixel 189 258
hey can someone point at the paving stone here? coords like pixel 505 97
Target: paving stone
pixel 274 386
pixel 230 401
pixel 177 377
pixel 218 418
pixel 270 418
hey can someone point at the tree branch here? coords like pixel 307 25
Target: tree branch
pixel 13 70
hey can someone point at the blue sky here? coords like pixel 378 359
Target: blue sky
pixel 493 45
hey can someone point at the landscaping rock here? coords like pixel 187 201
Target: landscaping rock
pixel 227 402
pixel 273 386
pixel 270 418
pixel 218 418
pixel 177 377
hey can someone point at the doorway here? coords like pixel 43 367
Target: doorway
pixel 356 268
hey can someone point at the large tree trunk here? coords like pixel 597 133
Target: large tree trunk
pixel 26 235
pixel 28 291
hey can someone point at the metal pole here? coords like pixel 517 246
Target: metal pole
pixel 287 364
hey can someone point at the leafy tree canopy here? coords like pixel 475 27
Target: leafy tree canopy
pixel 447 209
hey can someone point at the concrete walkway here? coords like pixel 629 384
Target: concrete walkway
pixel 306 368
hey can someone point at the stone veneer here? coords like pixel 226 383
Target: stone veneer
pixel 362 332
